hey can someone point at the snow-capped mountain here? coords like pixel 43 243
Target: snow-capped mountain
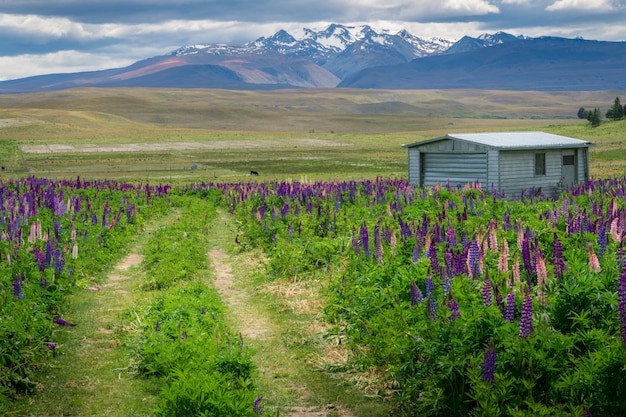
pixel 363 57
pixel 340 49
pixel 467 43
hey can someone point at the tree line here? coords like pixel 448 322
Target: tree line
pixel 615 112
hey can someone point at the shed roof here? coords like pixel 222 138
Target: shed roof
pixel 512 140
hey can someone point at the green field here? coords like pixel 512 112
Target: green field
pixel 219 135
pixel 293 288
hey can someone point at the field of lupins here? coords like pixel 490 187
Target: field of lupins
pixel 462 302
pixel 465 303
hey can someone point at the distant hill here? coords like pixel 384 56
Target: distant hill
pixel 361 57
pixel 544 64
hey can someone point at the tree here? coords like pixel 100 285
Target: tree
pixel 618 109
pixel 616 112
pixel 582 113
pixel 594 117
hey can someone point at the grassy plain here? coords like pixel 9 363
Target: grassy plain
pixel 218 135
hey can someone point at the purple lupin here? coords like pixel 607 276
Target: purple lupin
pixel 526 323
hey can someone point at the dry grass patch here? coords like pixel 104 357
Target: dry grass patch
pixel 302 297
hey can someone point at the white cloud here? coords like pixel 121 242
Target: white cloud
pixel 28 65
pixel 32 25
pixel 470 7
pixel 599 6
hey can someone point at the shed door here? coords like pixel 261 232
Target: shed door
pixel 569 167
pixel 458 168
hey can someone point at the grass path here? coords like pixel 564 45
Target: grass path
pixel 87 378
pixel 282 336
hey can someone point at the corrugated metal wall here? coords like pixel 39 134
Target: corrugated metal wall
pixel 458 168
pixel 517 171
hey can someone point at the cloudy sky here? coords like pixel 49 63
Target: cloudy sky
pixel 53 36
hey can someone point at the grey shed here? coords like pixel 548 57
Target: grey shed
pixel 511 162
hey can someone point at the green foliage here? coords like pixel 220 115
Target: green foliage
pixel 180 336
pixel 57 237
pixel 206 394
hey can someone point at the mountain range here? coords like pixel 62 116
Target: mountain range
pixel 362 57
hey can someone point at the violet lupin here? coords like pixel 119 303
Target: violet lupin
pixel 17 288
pixel 509 313
pixel 416 294
pixel 432 302
pixel 257 407
pixel 526 258
pixel 453 306
pixel 526 323
pixel 365 243
pixel 434 260
pixel 489 365
pixel 557 257
pixel 473 269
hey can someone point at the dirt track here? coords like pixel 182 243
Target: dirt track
pixel 178 146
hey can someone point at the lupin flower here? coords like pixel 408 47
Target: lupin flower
pixel 621 297
pixel 526 323
pixel 452 237
pixel 416 294
pixel 53 348
pixel 432 302
pixel 455 312
pixel 432 307
pixel 616 231
pixel 586 411
pixel 17 288
pixel 503 259
pixel 493 238
pixel 526 258
pixel 430 286
pixel 489 365
pixel 416 250
pixel 365 243
pixel 257 407
pixel 594 263
pixel 434 260
pixel 509 313
pixel 557 259
pixel 473 268
pixel 61 322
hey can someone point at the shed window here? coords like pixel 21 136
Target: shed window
pixel 540 164
pixel 568 160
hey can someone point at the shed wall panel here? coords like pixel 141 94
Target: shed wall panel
pixel 493 169
pixel 517 171
pixel 456 168
pixel 414 166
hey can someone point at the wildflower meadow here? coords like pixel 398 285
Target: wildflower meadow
pixel 462 301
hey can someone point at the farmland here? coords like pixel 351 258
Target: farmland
pixel 145 272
